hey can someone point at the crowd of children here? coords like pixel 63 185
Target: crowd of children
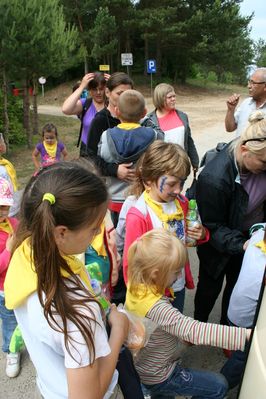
pixel 60 262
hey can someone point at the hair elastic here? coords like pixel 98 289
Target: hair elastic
pixel 49 197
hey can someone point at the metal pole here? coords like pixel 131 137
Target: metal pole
pixel 151 84
pixel 43 90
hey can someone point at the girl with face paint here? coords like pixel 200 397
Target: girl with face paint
pixel 161 174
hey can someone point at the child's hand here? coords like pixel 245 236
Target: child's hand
pixel 119 321
pixel 197 232
pixel 10 242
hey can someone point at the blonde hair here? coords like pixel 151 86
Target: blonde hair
pixel 255 130
pixel 157 249
pixel 160 93
pixel 160 159
pixel 131 105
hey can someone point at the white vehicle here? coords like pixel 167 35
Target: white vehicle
pixel 254 378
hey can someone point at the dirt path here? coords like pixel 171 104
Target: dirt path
pixel 206 115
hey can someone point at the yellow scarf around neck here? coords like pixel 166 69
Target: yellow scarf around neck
pixel 21 278
pixel 50 149
pixel 262 245
pixel 141 302
pixel 157 207
pixel 6 226
pixel 11 172
pixel 98 242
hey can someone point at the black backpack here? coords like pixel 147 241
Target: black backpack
pixel 86 106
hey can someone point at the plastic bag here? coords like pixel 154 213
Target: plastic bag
pixel 140 330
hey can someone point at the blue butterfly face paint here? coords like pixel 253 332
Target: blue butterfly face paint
pixel 162 184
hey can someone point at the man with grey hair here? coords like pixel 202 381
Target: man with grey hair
pixel 237 119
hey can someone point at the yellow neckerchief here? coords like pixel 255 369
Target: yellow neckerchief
pixel 98 242
pixel 21 279
pixel 141 302
pixel 128 125
pixel 157 207
pixel 262 245
pixel 50 149
pixel 10 171
pixel 6 226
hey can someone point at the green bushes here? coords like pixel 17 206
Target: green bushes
pixel 17 133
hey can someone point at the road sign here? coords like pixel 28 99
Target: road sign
pixel 42 81
pixel 126 59
pixel 151 66
pixel 104 68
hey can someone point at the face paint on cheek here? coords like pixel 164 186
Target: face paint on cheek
pixel 162 184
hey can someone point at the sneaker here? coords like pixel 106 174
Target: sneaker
pixel 12 364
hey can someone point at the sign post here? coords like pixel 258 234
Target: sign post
pixel 42 82
pixel 151 68
pixel 127 60
pixel 104 68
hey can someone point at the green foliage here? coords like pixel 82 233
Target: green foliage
pixel 17 134
pixel 260 52
pixel 104 34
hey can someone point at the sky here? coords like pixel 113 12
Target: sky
pixel 258 23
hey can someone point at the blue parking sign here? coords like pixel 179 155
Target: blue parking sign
pixel 151 66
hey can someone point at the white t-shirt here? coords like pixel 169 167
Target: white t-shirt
pixel 47 349
pixel 245 294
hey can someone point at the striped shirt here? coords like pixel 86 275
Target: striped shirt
pixel 157 360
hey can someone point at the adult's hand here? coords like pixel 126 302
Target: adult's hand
pixel 125 172
pixel 232 101
pixel 86 79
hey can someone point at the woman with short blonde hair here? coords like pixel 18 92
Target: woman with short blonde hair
pixel 173 122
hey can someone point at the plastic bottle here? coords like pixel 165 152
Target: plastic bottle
pixel 192 220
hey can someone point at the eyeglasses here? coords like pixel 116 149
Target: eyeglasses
pixel 252 82
pixel 260 139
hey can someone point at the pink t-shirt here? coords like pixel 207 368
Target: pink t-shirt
pixel 173 128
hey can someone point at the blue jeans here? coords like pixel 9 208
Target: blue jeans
pixel 234 366
pixel 179 300
pixel 196 383
pixel 9 323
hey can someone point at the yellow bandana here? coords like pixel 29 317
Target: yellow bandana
pixel 98 242
pixel 128 125
pixel 141 302
pixel 262 245
pixel 10 171
pixel 6 226
pixel 50 149
pixel 21 278
pixel 158 210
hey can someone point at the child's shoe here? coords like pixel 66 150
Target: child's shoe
pixel 12 364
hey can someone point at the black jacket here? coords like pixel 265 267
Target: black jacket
pixel 102 121
pixel 222 206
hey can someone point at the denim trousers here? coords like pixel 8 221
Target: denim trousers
pixel 196 383
pixel 179 300
pixel 9 323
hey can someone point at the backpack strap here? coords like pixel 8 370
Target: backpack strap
pixel 86 106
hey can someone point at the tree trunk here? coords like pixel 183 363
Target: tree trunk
pixel 146 53
pixel 35 123
pixel 158 57
pixel 86 64
pixel 26 110
pixel 5 111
